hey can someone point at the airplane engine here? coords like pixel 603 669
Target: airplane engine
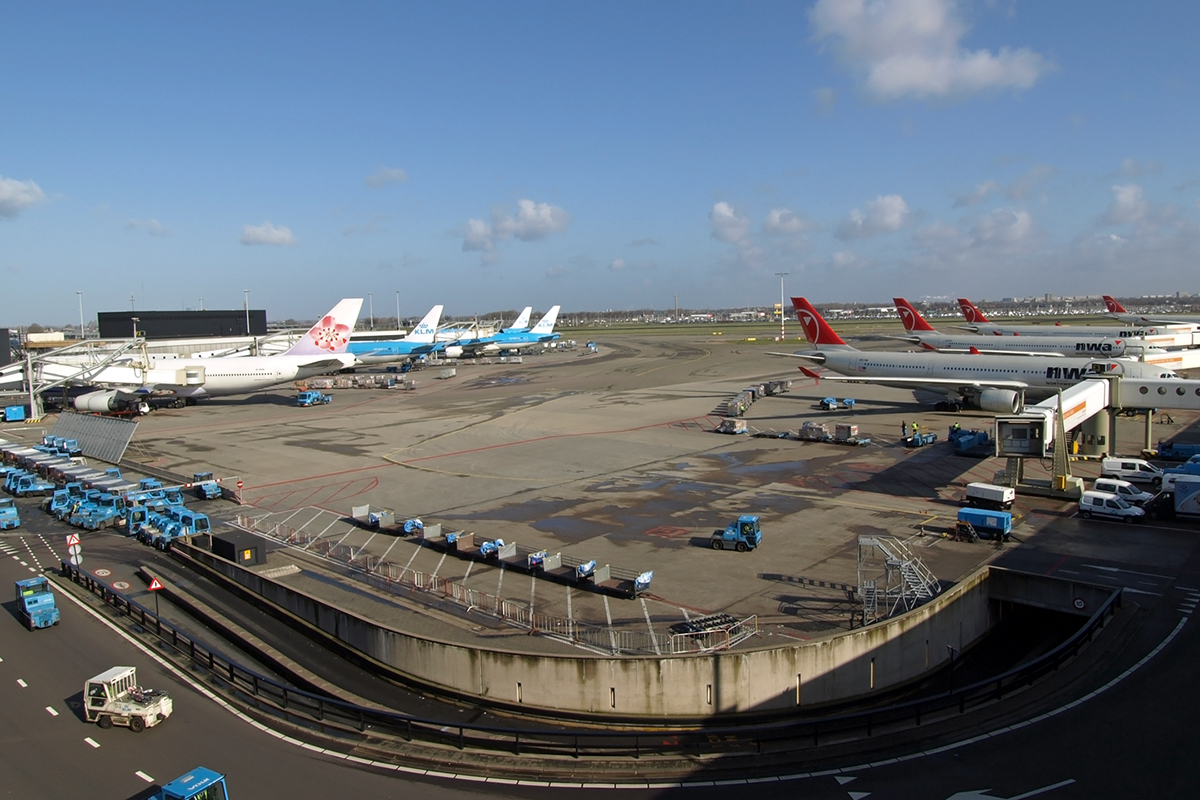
pixel 454 351
pixel 113 400
pixel 1000 401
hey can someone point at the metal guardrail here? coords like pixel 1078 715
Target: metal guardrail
pixel 775 737
pixel 389 576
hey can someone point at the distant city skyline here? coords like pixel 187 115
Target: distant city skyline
pixel 594 156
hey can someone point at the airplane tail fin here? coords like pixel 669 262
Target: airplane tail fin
pixel 910 317
pixel 522 321
pixel 973 314
pixel 426 329
pixel 810 373
pixel 331 334
pixel 1113 306
pixel 816 329
pixel 545 325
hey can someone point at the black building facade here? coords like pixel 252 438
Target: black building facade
pixel 180 324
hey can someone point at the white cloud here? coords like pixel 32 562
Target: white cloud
pixel 533 221
pixel 16 196
pixel 912 48
pixel 617 264
pixel 1129 204
pixel 1021 188
pixel 1132 168
pixel 1003 228
pixel 844 260
pixel 981 193
pixel 267 234
pixel 150 226
pixel 385 175
pixel 885 214
pixel 727 224
pixel 784 222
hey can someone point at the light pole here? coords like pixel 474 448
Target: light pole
pixel 246 308
pixel 201 303
pixel 782 329
pixel 135 322
pixel 81 333
pixel 371 306
pixel 676 308
pixel 397 309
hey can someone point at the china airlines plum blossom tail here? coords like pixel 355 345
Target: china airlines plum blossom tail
pixel 912 319
pixel 331 334
pixel 816 329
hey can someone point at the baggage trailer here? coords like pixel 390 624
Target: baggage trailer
pixel 35 603
pixel 114 698
pixel 373 518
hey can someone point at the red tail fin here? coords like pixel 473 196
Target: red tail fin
pixel 973 314
pixel 910 317
pixel 1113 306
pixel 816 329
pixel 816 376
pixel 975 351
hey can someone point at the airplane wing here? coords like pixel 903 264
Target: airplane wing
pixel 329 363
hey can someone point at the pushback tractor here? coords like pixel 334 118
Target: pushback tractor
pixel 114 698
pixel 742 535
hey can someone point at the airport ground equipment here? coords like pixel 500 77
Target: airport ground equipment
pixel 971 443
pixel 987 523
pixel 1124 490
pixel 413 525
pixel 30 484
pixel 920 439
pixel 1186 497
pixel 35 603
pixel 733 426
pixel 845 433
pixel 965 531
pixel 114 698
pixel 989 495
pixel 904 583
pixel 832 404
pixel 9 517
pixel 373 518
pixel 200 783
pixel 311 397
pixel 1136 470
pixel 742 535
pixel 1176 451
pixel 205 487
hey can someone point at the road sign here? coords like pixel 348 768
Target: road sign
pixel 73 540
pixel 120 586
pixel 155 585
pixel 74 550
pixel 239 486
pixel 102 572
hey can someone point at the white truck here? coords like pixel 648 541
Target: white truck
pixel 989 495
pixel 114 698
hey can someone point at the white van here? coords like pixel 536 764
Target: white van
pixel 1107 504
pixel 1123 489
pixel 1131 469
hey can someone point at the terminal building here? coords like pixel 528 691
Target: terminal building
pixel 152 325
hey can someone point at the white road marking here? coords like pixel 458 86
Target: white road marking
pixel 650 625
pixel 144 776
pixel 570 613
pixel 410 560
pixel 51 711
pixel 91 741
pixel 22 563
pixel 1126 571
pixel 21 682
pixel 438 568
pixel 612 635
pixel 499 582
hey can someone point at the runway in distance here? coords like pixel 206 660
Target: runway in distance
pixel 419 341
pixel 994 383
pixel 321 350
pixel 922 333
pixel 510 339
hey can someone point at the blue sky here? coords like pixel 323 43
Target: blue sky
pixel 596 155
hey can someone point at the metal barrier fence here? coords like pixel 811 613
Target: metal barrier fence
pixel 782 736
pixel 581 634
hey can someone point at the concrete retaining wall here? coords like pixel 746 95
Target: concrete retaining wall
pixel 810 673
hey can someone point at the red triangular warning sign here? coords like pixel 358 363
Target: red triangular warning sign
pixel 73 540
pixel 155 585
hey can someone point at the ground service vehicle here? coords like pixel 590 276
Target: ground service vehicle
pixel 114 698
pixel 1187 496
pixel 1176 451
pixel 205 487
pixel 313 398
pixel 1107 504
pixel 920 439
pixel 199 784
pixel 35 603
pixel 28 485
pixel 987 524
pixel 1134 470
pixel 1123 489
pixel 742 535
pixel 988 495
pixel 9 518
pixel 373 518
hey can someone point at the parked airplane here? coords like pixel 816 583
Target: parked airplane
pixel 992 383
pixel 924 334
pixel 321 350
pixel 419 341
pixel 978 323
pixel 1118 312
pixel 510 339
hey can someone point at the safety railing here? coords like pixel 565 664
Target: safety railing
pixel 798 734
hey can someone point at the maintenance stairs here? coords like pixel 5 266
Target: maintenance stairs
pixel 906 581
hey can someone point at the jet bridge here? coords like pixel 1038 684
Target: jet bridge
pixel 1092 405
